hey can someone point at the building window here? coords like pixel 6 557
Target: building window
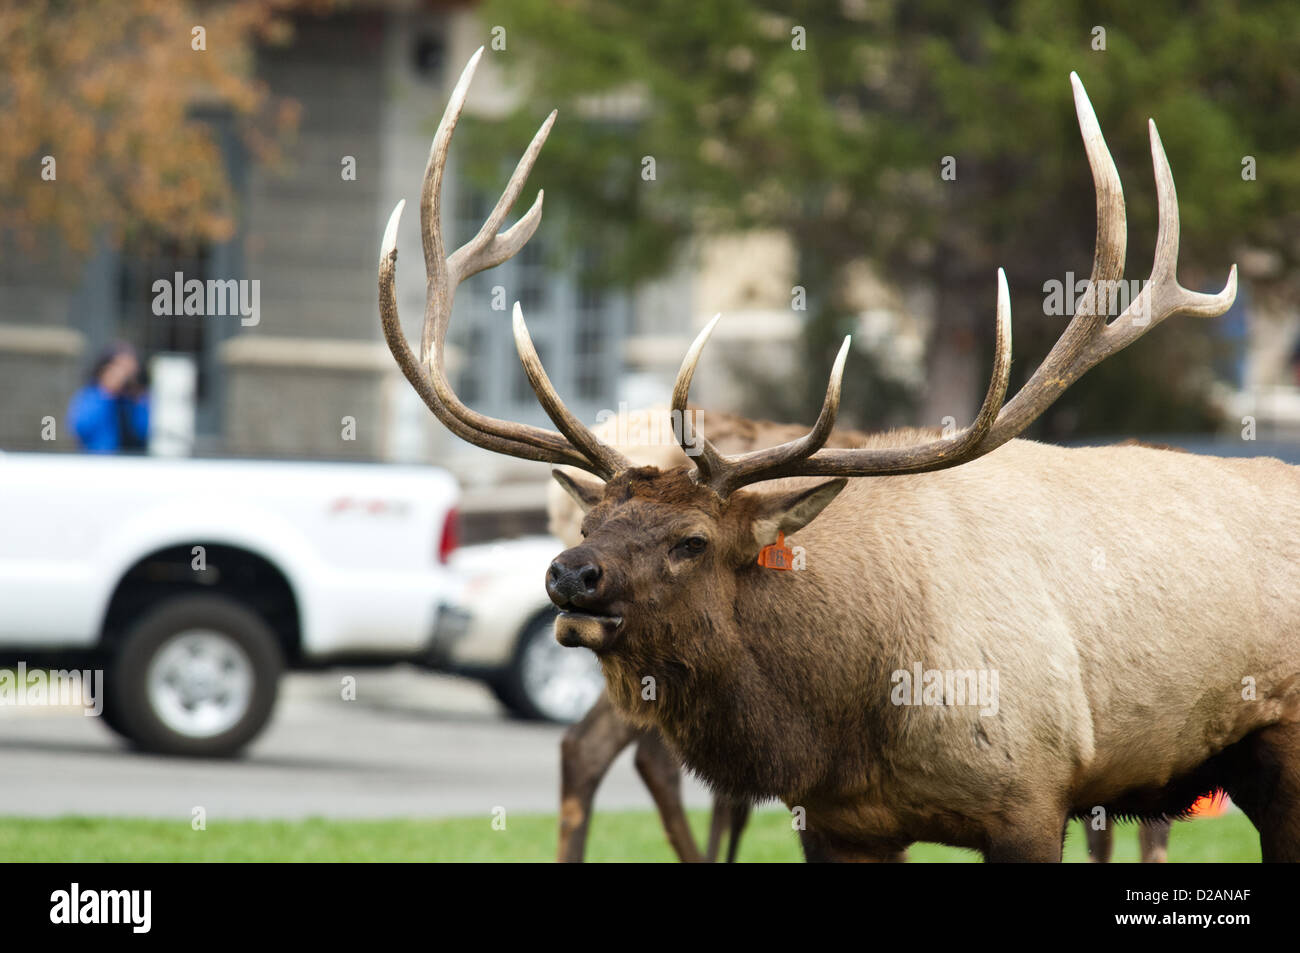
pixel 576 325
pixel 530 266
pixel 590 345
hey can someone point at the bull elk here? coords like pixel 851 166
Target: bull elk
pixel 1136 682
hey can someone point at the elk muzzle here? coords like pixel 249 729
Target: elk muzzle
pixel 573 582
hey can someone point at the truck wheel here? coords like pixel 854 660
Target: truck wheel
pixel 195 675
pixel 110 716
pixel 546 681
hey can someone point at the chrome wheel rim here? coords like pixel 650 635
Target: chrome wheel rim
pixel 200 683
pixel 561 683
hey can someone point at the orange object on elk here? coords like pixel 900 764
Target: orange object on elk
pixel 776 555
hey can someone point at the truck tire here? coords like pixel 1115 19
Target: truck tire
pixel 110 717
pixel 194 675
pixel 545 681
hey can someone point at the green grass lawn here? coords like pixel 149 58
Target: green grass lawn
pixel 615 836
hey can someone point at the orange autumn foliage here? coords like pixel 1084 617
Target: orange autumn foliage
pixel 109 90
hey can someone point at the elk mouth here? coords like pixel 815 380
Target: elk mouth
pixel 597 631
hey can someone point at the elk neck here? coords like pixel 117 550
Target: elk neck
pixel 765 692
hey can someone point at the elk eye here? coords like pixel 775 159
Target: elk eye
pixel 692 545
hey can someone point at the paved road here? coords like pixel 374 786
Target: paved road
pixel 410 745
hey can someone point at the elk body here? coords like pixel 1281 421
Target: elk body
pixel 590 746
pixel 1119 686
pixel 1136 612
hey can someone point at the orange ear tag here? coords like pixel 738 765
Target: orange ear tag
pixel 776 555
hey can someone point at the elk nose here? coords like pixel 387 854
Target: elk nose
pixel 566 583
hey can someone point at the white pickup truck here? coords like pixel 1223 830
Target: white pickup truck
pixel 193 583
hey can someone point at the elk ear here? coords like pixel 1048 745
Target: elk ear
pixel 791 511
pixel 586 493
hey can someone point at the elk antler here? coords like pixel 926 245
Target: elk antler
pixel 576 445
pixel 1087 340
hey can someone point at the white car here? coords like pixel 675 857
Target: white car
pixel 508 637
pixel 193 583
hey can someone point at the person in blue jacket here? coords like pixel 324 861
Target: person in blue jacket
pixel 111 413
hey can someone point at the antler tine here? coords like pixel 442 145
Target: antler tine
pixel 444 274
pixel 1091 340
pixel 1109 253
pixel 435 255
pixel 418 378
pixel 936 455
pixel 609 459
pixel 1163 296
pixel 725 474
pixel 488 249
pixel 1111 245
pixel 756 465
pixel 708 461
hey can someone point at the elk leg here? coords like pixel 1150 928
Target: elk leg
pixel 719 821
pixel 662 774
pixel 820 848
pixel 730 818
pixel 1268 790
pixel 1029 835
pixel 1023 850
pixel 739 818
pixel 587 751
pixel 1153 839
pixel 1100 842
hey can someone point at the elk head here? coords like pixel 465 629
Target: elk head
pixel 655 541
pixel 662 549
